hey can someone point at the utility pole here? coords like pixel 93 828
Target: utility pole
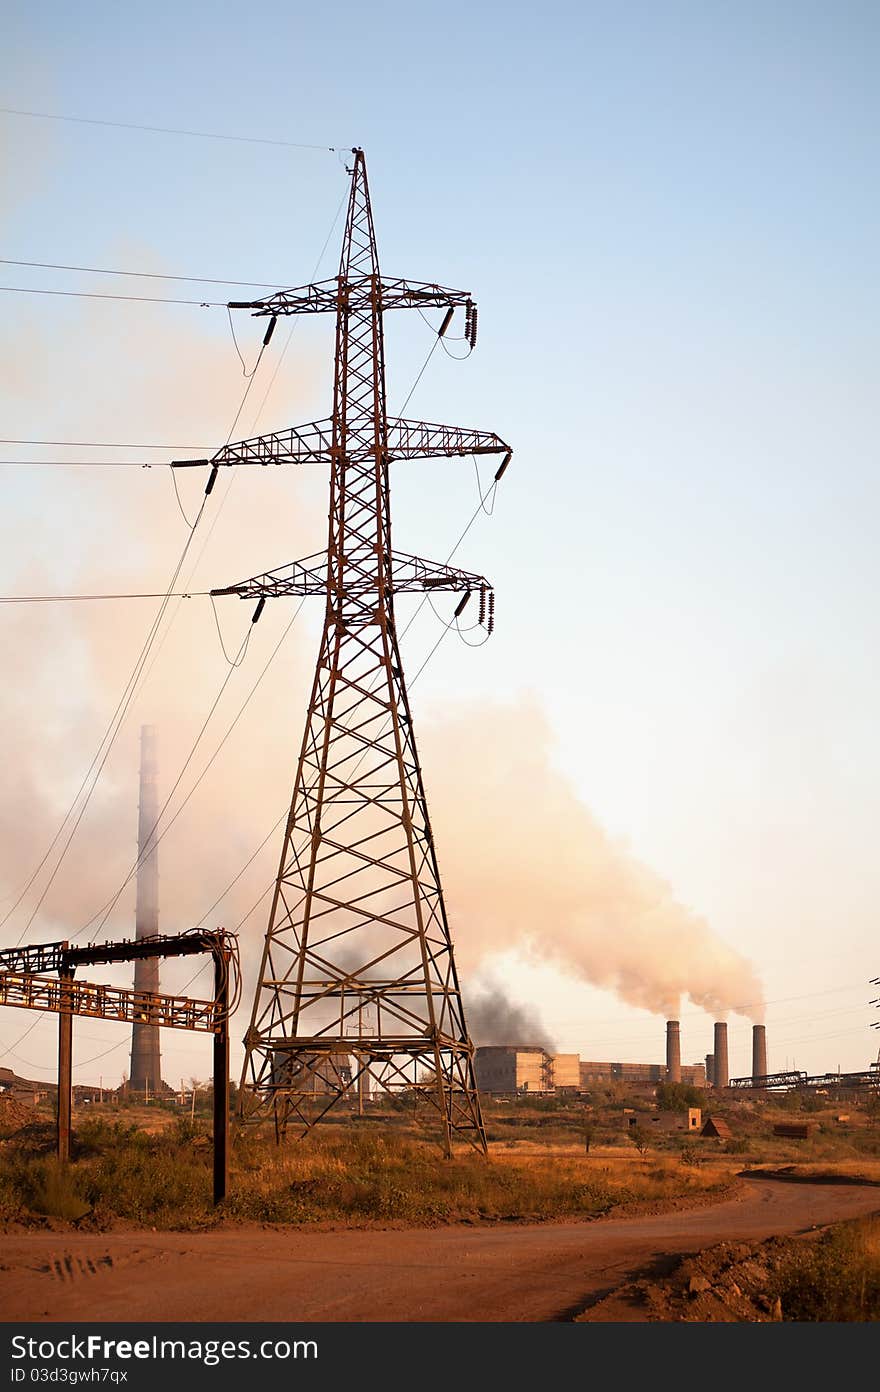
pixel 358 916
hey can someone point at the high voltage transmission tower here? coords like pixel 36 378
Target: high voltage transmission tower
pixel 358 959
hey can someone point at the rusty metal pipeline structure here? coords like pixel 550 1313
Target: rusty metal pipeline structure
pixel 42 977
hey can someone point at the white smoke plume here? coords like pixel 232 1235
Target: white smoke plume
pixel 523 860
pixel 526 864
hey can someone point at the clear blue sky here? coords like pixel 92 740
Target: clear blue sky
pixel 669 216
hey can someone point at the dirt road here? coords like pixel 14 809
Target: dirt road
pixel 534 1272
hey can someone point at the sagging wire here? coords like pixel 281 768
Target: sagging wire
pixel 177 496
pixel 266 337
pixel 450 338
pixel 470 322
pixel 295 320
pixel 490 493
pixel 286 813
pixel 440 335
pixel 137 677
pixel 149 844
pixel 155 842
pixel 246 865
pixel 108 739
pixel 453 622
pixel 233 662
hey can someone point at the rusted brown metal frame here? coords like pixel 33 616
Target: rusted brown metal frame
pixel 66 997
pixel 360 589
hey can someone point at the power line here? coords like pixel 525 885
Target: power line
pixel 168 130
pixel 30 464
pixel 150 844
pixel 154 842
pixel 101 444
pixel 76 598
pixel 116 719
pixel 95 295
pixel 141 275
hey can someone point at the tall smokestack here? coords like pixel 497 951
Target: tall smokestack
pixel 146 1070
pixel 710 1069
pixel 721 1074
pixel 673 1052
pixel 759 1051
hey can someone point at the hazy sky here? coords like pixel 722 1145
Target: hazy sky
pixel 669 216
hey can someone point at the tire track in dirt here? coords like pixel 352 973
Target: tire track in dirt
pixel 533 1272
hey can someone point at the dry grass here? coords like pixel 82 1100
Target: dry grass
pixel 147 1166
pixel 374 1177
pixel 834 1279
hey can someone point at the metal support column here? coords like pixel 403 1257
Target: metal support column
pixel 65 1068
pixel 221 1078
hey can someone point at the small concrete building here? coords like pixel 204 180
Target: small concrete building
pixel 666 1121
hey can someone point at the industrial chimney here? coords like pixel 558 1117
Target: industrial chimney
pixel 710 1069
pixel 673 1052
pixel 146 1074
pixel 759 1051
pixel 721 1074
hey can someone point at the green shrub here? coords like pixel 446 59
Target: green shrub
pixel 677 1097
pixel 836 1278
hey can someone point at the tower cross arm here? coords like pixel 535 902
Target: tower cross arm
pixel 314 444
pixel 407 575
pixel 300 444
pixel 356 293
pixel 408 439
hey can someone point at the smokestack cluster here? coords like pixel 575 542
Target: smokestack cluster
pixel 673 1052
pixel 720 1070
pixel 759 1051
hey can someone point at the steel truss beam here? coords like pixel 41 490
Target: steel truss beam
pixel 22 986
pixel 357 293
pixel 313 444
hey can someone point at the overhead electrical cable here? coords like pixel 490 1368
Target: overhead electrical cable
pixel 149 842
pixel 76 598
pixel 153 841
pixel 81 464
pixel 103 444
pixel 169 130
pixel 107 741
pixel 138 671
pixel 140 275
pixel 100 295
pixel 404 631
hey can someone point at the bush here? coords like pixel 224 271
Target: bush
pixel 640 1138
pixel 677 1097
pixel 836 1278
pixel 692 1155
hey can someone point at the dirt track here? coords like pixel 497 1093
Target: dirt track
pixel 534 1272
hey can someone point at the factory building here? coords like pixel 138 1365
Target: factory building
pixel 517 1068
pixel 512 1068
pixel 694 1074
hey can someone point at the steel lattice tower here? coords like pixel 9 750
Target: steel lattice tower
pixel 358 942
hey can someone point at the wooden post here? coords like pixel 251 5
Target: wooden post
pixel 65 1067
pixel 221 1078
